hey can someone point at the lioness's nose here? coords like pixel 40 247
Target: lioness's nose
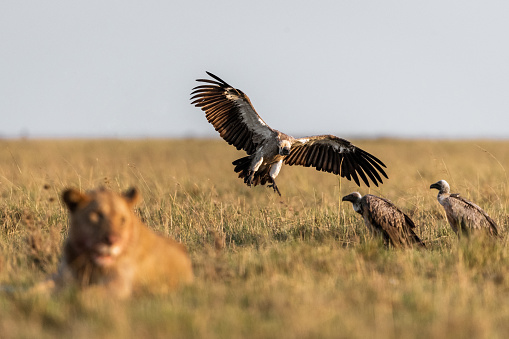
pixel 110 239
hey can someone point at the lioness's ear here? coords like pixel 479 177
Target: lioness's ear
pixel 73 198
pixel 132 196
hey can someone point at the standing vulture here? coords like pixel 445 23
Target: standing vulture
pixel 384 219
pixel 230 111
pixel 463 216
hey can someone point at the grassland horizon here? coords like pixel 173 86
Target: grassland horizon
pixel 302 265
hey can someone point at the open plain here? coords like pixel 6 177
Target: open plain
pixel 298 266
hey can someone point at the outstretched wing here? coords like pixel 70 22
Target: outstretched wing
pixel 231 113
pixel 474 213
pixel 335 155
pixel 395 225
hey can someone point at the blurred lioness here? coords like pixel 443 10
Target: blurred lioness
pixel 110 247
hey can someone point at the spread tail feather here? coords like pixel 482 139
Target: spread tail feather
pixel 242 165
pixel 260 177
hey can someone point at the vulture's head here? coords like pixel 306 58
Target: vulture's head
pixel 355 199
pixel 442 186
pixel 284 147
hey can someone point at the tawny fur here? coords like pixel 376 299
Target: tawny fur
pixel 110 247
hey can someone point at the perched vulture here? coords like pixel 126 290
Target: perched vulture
pixel 232 115
pixel 384 219
pixel 463 216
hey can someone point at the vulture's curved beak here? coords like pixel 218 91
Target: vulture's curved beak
pixel 435 185
pixel 348 197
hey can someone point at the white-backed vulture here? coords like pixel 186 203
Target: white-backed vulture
pixel 463 216
pixel 231 113
pixel 383 218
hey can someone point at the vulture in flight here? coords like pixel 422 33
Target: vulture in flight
pixel 231 113
pixel 384 219
pixel 463 216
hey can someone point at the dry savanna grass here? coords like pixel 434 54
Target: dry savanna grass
pixel 266 267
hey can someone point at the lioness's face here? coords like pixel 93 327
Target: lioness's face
pixel 101 223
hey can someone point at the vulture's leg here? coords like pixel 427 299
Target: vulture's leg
pixel 274 171
pixel 274 186
pixel 255 165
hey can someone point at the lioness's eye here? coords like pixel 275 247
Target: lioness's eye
pixel 95 216
pixel 122 220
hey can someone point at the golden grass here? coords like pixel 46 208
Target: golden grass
pixel 266 267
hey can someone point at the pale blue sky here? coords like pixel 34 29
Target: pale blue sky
pixel 350 68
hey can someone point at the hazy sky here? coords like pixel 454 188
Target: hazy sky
pixel 350 68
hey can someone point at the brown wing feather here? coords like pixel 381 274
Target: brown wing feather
pixel 395 226
pixel 475 214
pixel 231 113
pixel 336 155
